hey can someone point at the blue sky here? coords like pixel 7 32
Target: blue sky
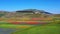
pixel 52 6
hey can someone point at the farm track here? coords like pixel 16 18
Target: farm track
pixel 7 30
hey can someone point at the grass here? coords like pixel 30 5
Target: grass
pixel 14 26
pixel 44 29
pixel 34 29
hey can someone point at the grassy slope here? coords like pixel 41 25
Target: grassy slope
pixel 46 29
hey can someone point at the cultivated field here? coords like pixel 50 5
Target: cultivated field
pixel 30 29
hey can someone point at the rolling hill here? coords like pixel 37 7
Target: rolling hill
pixel 26 12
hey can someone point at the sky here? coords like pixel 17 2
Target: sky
pixel 52 6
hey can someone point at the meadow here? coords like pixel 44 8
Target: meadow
pixel 51 27
pixel 32 29
pixel 41 29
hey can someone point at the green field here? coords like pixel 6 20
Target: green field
pixel 33 29
pixel 41 29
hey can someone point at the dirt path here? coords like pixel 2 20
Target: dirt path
pixel 6 30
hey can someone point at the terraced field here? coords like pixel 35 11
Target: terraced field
pixel 30 28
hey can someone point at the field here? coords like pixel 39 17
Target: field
pixel 30 21
pixel 50 26
pixel 32 29
pixel 41 29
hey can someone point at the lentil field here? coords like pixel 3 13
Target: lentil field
pixel 30 29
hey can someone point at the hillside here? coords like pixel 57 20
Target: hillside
pixel 3 13
pixel 56 15
pixel 24 13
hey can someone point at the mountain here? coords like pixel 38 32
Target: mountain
pixel 3 13
pixel 56 15
pixel 34 10
pixel 25 13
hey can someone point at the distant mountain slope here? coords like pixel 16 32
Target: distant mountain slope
pixel 26 13
pixel 3 13
pixel 56 15
pixel 33 13
pixel 34 10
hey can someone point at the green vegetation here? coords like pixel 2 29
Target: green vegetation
pixel 34 29
pixel 2 15
pixel 14 26
pixel 41 29
pixel 52 28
